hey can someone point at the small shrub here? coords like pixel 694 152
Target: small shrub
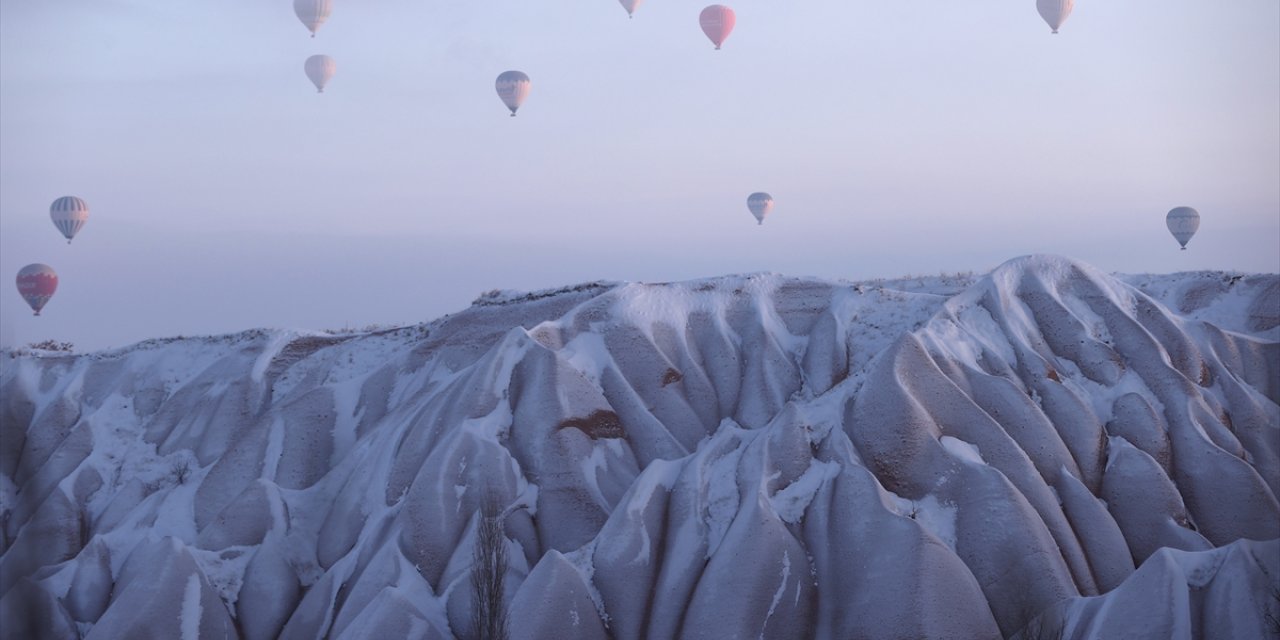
pixel 52 345
pixel 181 470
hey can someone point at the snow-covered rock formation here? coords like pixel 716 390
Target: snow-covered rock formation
pixel 1042 450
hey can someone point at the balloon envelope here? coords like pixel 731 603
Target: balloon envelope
pixel 513 88
pixel 630 5
pixel 313 13
pixel 760 204
pixel 320 69
pixel 717 21
pixel 69 214
pixel 1183 222
pixel 36 284
pixel 1055 12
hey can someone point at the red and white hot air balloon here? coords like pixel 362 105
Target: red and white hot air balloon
pixel 36 284
pixel 717 22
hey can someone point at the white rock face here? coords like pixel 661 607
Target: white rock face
pixel 1045 448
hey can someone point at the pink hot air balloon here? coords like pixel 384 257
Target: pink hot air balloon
pixel 717 21
pixel 36 284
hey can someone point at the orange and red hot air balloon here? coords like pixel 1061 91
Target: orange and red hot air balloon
pixel 717 21
pixel 36 284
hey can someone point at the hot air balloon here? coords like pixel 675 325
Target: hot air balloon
pixel 1183 223
pixel 320 69
pixel 36 284
pixel 69 214
pixel 513 88
pixel 313 13
pixel 760 204
pixel 630 6
pixel 1055 12
pixel 717 21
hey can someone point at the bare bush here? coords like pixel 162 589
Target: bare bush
pixel 52 345
pixel 181 470
pixel 488 573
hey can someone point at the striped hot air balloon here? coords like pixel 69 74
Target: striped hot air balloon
pixel 717 22
pixel 320 69
pixel 760 204
pixel 69 214
pixel 313 13
pixel 36 284
pixel 1183 222
pixel 513 88
pixel 1055 12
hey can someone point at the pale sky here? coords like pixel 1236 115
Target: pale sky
pixel 896 138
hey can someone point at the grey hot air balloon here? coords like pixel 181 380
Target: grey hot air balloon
pixel 630 6
pixel 1055 12
pixel 69 214
pixel 513 88
pixel 313 13
pixel 760 204
pixel 1183 223
pixel 320 69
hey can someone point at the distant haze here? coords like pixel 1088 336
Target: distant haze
pixel 896 138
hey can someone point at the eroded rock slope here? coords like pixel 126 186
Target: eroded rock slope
pixel 743 457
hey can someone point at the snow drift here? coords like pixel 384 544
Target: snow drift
pixel 1046 448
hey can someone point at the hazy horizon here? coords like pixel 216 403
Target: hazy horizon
pixel 225 194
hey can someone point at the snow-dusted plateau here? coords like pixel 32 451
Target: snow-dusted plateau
pixel 1043 451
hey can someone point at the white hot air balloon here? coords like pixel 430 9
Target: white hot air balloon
pixel 313 13
pixel 513 88
pixel 69 214
pixel 1055 12
pixel 1183 222
pixel 320 69
pixel 630 6
pixel 760 204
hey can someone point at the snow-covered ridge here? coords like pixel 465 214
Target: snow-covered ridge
pixel 926 457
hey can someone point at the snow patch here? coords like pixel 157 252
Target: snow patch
pixel 782 588
pixel 191 609
pixel 791 502
pixel 587 353
pixel 721 484
pixel 938 518
pixel 277 342
pixel 961 449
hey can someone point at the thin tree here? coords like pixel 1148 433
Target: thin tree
pixel 488 571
